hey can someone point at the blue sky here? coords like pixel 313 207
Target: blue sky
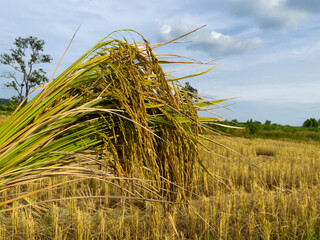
pixel 269 49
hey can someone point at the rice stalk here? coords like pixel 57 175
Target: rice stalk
pixel 114 107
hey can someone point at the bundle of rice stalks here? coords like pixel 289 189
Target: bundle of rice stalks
pixel 114 107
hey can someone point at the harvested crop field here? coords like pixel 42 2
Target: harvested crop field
pixel 251 196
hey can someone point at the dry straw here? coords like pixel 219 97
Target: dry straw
pixel 114 107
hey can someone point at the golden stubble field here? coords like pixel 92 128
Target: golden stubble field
pixel 265 189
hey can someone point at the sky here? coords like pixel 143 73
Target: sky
pixel 267 51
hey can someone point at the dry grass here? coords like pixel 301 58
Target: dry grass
pixel 251 197
pixel 3 119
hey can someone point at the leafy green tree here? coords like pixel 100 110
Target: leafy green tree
pixel 235 121
pixel 192 92
pixel 311 122
pixel 253 126
pixel 268 122
pixel 22 59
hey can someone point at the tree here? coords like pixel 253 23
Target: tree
pixel 24 64
pixel 235 121
pixel 268 122
pixel 311 122
pixel 253 126
pixel 192 92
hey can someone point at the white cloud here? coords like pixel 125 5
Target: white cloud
pixel 165 29
pixel 214 43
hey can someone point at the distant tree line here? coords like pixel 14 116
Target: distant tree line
pixel 8 105
pixel 253 127
pixel 4 101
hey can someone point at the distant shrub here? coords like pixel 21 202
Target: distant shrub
pixel 311 122
pixel 253 126
pixel 235 121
